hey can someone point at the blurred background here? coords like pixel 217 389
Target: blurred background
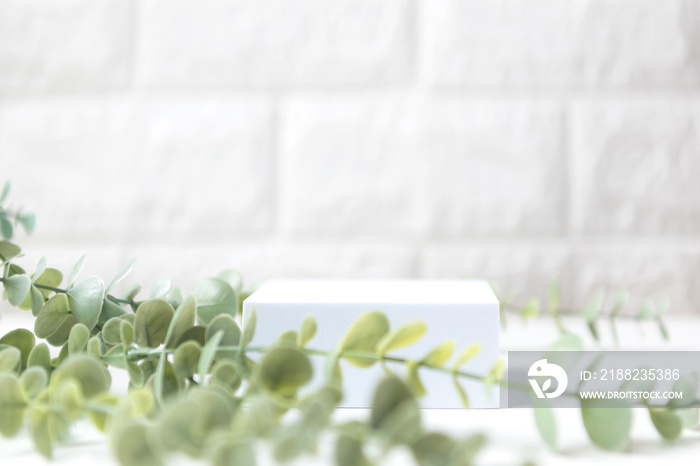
pixel 516 140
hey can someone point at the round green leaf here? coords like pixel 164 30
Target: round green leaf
pixel 667 423
pixel 10 359
pixel 284 370
pixel 608 428
pixel 388 396
pixel 186 359
pixel 49 277
pixel 90 373
pixel 33 380
pixel 364 335
pixel 161 288
pixel 17 288
pixel 8 250
pixel 249 321
pixel 226 324
pixel 132 447
pixel 60 336
pixel 348 452
pixel 40 357
pixel 111 331
pixel 126 333
pixel 196 333
pixel 225 374
pixel 54 313
pixel 85 301
pixel 152 321
pixel 182 322
pixel 214 297
pixel 69 397
pixel 12 405
pixel 77 338
pixel 21 339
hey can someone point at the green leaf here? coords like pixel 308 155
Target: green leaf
pixel 110 309
pixel 5 191
pixel 348 452
pixel 466 355
pixel 69 397
pixel 86 301
pixel 132 447
pixel 12 405
pixel 233 278
pixel 40 357
pixel 120 276
pixel 111 331
pixel 225 374
pixel 36 300
pixel 389 395
pixel 592 308
pixel 186 359
pixel 33 381
pixel 8 250
pixel 40 430
pixel 161 288
pixel 52 316
pixel 49 277
pixel 60 336
pixel 10 360
pixel 284 370
pixel 209 353
pixel 21 339
pixel 531 309
pixel 126 333
pixel 214 297
pixel 249 327
pixel 17 288
pixel 608 428
pixel 196 333
pixel 413 379
pixel 666 422
pixel 152 321
pixel 28 222
pixel 75 271
pixel 77 339
pixel 308 330
pixel 131 292
pixel 439 356
pixel 6 228
pixel 461 392
pixel 90 374
pixel 231 336
pixel 41 266
pixel 433 448
pixel 176 297
pixel 547 426
pixel 364 335
pixel 405 335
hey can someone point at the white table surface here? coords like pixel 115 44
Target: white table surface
pixel 512 436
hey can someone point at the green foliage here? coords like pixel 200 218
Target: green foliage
pixel 198 387
pixel 364 336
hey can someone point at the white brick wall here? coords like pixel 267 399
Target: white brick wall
pixel 511 139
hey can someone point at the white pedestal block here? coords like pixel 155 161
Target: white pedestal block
pixel 463 310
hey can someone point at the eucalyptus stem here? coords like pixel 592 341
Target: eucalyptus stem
pixel 65 291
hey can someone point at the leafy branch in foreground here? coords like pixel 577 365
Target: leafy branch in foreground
pixel 593 312
pixel 194 389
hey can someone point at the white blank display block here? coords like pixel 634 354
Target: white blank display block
pixel 466 311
